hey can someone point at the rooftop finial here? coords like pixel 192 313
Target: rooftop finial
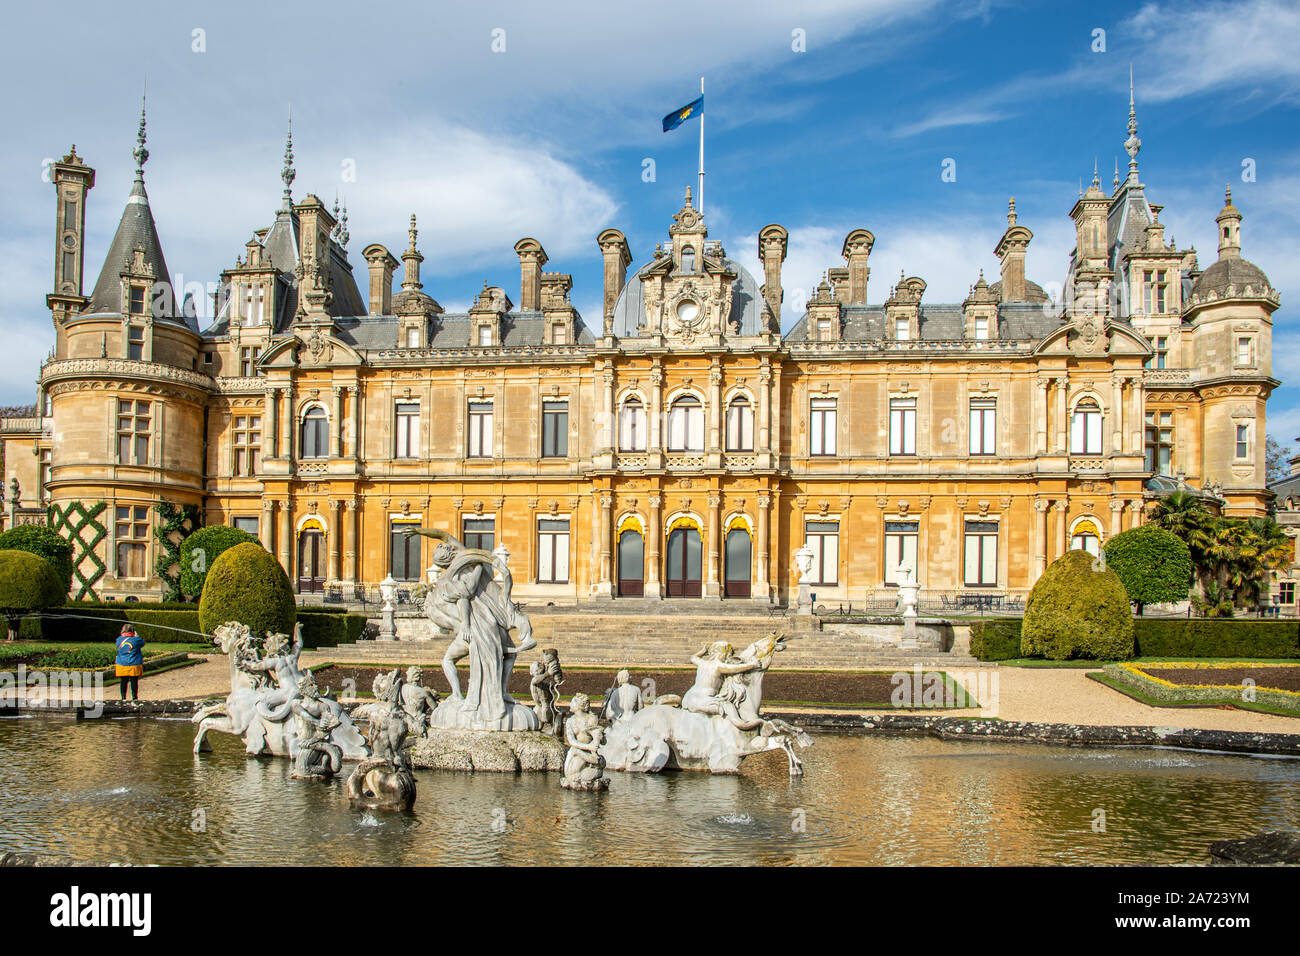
pixel 344 235
pixel 688 195
pixel 1115 182
pixel 1096 179
pixel 140 153
pixel 287 174
pixel 1132 144
pixel 1227 194
pixel 413 233
pixel 1011 212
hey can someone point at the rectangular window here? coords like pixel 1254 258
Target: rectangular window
pixel 981 328
pixel 1160 442
pixel 405 551
pixel 902 329
pixel 246 523
pixel 135 342
pixel 1243 441
pixel 70 266
pixel 485 335
pixel 132 538
pixel 553 551
pixel 822 427
pixel 47 465
pixel 983 426
pixel 480 429
pixel 408 430
pixel 133 420
pixel 902 426
pixel 252 304
pixel 900 548
pixel 1286 592
pixel 69 215
pixel 1245 350
pixel 631 427
pixel 248 356
pixel 1085 430
pixel 823 330
pixel 740 426
pixel 248 444
pixel 555 429
pixel 412 338
pixel 823 537
pixel 559 334
pixel 480 533
pixel 981 554
pixel 136 306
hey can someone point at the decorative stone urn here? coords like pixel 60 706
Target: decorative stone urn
pixel 388 624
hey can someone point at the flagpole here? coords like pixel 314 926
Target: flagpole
pixel 701 187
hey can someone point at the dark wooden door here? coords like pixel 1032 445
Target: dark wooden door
pixel 736 577
pixel 684 563
pixel 631 564
pixel 311 562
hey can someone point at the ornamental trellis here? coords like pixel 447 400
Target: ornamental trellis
pixel 74 521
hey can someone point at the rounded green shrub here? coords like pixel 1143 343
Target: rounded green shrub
pixel 201 549
pixel 1078 608
pixel 1154 565
pixel 46 542
pixel 247 585
pixel 27 583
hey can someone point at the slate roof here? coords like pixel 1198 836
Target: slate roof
pixel 1233 271
pixel 450 331
pixel 1017 321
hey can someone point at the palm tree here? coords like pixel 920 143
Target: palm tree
pixel 1185 515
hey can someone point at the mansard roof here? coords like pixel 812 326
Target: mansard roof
pixel 1017 321
pixel 450 331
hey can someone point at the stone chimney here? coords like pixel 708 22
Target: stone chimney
pixel 1229 220
pixel 856 252
pixel 617 256
pixel 382 265
pixel 72 180
pixel 531 259
pixel 773 241
pixel 1011 250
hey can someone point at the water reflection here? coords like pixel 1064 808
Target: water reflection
pixel 130 790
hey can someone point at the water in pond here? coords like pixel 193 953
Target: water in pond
pixel 129 790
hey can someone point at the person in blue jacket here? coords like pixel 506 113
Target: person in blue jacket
pixel 130 660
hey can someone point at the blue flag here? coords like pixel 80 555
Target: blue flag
pixel 677 117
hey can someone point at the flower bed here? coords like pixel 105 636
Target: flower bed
pixel 1181 683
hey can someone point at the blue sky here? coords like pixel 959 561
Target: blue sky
pixel 549 137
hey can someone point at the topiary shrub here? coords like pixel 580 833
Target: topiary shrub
pixel 247 585
pixel 201 549
pixel 1078 608
pixel 995 638
pixel 27 583
pixel 46 542
pixel 1154 565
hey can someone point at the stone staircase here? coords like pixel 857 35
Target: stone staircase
pixel 591 638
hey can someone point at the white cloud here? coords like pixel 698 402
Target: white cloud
pixel 946 119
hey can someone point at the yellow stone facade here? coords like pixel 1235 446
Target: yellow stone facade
pixel 680 445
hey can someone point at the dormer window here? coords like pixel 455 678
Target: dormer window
pixel 135 304
pixel 688 259
pixel 1156 287
pixel 902 330
pixel 413 338
pixel 981 328
pixel 559 334
pixel 253 305
pixel 485 335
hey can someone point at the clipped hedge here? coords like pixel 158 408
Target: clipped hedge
pixel 998 639
pixel 1078 609
pixel 27 583
pixel 45 542
pixel 200 551
pixel 247 584
pixel 995 639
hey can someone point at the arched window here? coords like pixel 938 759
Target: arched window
pixel 1086 537
pixel 688 259
pixel 1085 429
pixel 631 425
pixel 740 425
pixel 315 434
pixel 686 425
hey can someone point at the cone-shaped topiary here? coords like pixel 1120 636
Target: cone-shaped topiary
pixel 200 551
pixel 27 583
pixel 1154 565
pixel 1078 608
pixel 46 542
pixel 246 584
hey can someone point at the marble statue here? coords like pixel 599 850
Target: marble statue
pixel 622 700
pixel 418 701
pixel 318 757
pixel 584 766
pixel 717 724
pixel 476 609
pixel 376 784
pixel 264 684
pixel 545 679
pixel 383 781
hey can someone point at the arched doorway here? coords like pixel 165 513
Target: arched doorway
pixel 311 558
pixel 631 563
pixel 684 562
pixel 737 563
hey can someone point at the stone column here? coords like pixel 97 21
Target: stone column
pixel 603 584
pixel 1062 416
pixel 1117 413
pixel 715 407
pixel 267 529
pixel 355 405
pixel 764 407
pixel 1136 508
pixel 654 440
pixel 653 535
pixel 336 433
pixel 349 523
pixel 336 540
pixel 714 533
pixel 1139 416
pixel 1058 530
pixel 269 430
pixel 762 589
pixel 610 426
pixel 1040 412
pixel 1116 516
pixel 1040 537
pixel 286 424
pixel 286 542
